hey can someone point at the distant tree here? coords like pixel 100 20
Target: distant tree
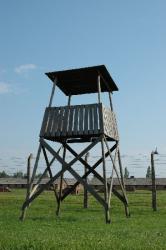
pixel 126 173
pixel 44 176
pixel 148 172
pixel 3 174
pixel 38 175
pixel 18 174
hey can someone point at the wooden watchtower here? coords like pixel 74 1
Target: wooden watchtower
pixel 90 123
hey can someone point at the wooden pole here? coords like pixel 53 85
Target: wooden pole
pixel 99 88
pixel 52 93
pixel 22 217
pixel 61 178
pixel 29 174
pixel 107 214
pixel 111 105
pixel 85 190
pixel 154 203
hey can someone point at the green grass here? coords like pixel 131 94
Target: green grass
pixel 79 228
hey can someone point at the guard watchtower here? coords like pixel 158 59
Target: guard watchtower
pixel 90 123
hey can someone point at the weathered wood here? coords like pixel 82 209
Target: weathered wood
pixel 55 122
pixel 99 88
pixel 60 121
pixel 50 172
pixel 95 119
pixel 61 183
pixel 101 119
pixel 154 200
pixel 89 171
pixel 117 174
pixel 44 173
pixel 50 122
pixel 112 179
pixel 107 215
pixel 85 190
pixel 71 118
pixel 110 99
pixel 44 123
pixel 66 167
pixel 81 120
pixel 91 120
pixel 29 174
pixel 35 166
pixel 86 120
pixel 120 182
pixel 52 92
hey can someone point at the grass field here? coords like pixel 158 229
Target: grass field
pixel 79 228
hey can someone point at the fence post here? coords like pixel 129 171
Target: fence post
pixel 154 202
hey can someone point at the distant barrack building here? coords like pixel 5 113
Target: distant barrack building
pixel 130 183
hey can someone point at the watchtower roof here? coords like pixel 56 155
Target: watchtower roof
pixel 83 80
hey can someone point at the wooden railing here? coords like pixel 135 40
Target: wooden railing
pixel 78 121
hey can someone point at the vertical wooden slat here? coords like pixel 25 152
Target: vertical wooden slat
pixel 81 119
pixel 76 120
pixel 101 123
pixel 44 123
pixel 95 120
pixel 60 121
pixel 49 122
pixel 86 120
pixel 70 126
pixel 55 122
pixel 65 121
pixel 91 127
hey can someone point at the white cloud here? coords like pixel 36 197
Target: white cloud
pixel 25 68
pixel 4 88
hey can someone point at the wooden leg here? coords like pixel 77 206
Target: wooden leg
pixel 111 182
pixel 107 214
pixel 120 182
pixel 61 183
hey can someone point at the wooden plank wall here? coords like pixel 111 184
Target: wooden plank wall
pixel 78 120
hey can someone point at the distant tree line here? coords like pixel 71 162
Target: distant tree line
pixel 19 174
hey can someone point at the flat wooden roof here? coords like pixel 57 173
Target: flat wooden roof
pixel 83 80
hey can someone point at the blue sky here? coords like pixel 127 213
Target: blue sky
pixel 129 37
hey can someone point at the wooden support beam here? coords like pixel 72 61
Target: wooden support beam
pixel 66 167
pixel 50 172
pixel 35 166
pixel 107 214
pixel 61 183
pixel 111 182
pixel 85 163
pixel 110 99
pixel 29 174
pixel 119 196
pixel 52 92
pixel 120 182
pixel 85 190
pixel 44 173
pixel 88 172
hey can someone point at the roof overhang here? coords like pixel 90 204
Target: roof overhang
pixel 83 80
